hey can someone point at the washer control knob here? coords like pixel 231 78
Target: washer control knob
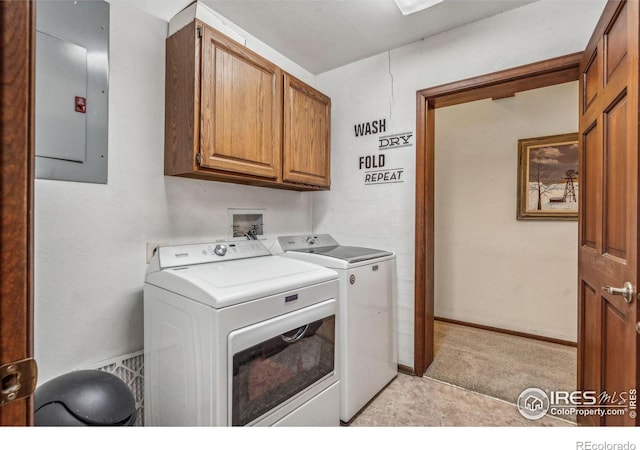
pixel 220 250
pixel 311 240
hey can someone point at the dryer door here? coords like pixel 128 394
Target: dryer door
pixel 273 362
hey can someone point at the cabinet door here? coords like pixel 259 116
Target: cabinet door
pixel 307 137
pixel 241 109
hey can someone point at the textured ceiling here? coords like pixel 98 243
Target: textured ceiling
pixel 320 35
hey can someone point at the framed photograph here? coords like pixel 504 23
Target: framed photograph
pixel 548 182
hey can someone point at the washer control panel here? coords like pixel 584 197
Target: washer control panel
pixel 184 255
pixel 288 243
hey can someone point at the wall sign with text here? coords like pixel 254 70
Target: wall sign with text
pixel 395 141
pixel 376 168
pixel 375 171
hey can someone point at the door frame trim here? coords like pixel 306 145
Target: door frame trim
pixel 500 84
pixel 17 76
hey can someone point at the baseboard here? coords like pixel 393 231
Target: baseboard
pixel 511 332
pixel 405 369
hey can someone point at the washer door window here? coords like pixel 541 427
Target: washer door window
pixel 280 365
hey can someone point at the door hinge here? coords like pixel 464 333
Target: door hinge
pixel 198 158
pixel 199 31
pixel 18 380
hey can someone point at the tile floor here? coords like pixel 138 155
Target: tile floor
pixel 421 401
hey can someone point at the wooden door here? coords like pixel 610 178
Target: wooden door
pixel 307 139
pixel 608 231
pixel 241 109
pixel 17 33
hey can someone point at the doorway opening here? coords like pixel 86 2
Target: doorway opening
pixel 497 85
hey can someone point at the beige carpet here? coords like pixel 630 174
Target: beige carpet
pixel 498 364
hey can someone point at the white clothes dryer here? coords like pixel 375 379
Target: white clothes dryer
pixel 367 306
pixel 236 336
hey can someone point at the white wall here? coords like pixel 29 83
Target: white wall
pixel 384 86
pixel 491 269
pixel 90 240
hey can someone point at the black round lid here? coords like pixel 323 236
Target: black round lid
pixel 92 396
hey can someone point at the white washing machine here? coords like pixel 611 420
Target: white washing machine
pixel 236 336
pixel 367 305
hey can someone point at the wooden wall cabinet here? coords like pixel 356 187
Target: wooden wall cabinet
pixel 231 115
pixel 307 137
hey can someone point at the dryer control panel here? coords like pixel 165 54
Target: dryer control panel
pixel 185 255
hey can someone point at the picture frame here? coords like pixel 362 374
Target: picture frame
pixel 548 183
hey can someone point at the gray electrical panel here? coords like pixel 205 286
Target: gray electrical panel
pixel 72 92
